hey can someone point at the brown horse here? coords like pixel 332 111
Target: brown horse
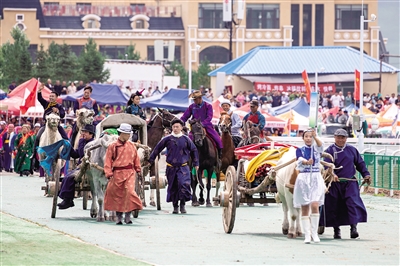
pixel 155 133
pixel 251 134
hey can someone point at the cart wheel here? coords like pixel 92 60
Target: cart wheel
pixel 138 190
pixel 85 196
pixel 135 214
pixel 55 197
pixel 157 184
pixel 230 188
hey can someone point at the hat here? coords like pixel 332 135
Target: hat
pixel 125 128
pixel 37 125
pixel 345 111
pixel 3 123
pixel 206 90
pixel 341 132
pixel 177 121
pixel 89 128
pixel 254 103
pixel 225 102
pixel 195 94
pixel 26 125
pixel 138 93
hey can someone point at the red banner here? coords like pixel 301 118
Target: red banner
pixel 262 86
pixel 357 85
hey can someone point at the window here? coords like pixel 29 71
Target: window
pixel 51 4
pixel 307 25
pixel 295 21
pixel 348 17
pixel 210 16
pixel 215 55
pixel 139 24
pixel 84 8
pixel 138 8
pixel 32 49
pixel 77 49
pixel 319 25
pixel 112 51
pixel 20 17
pixel 91 24
pixel 262 16
pixel 150 53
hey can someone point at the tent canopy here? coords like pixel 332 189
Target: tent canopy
pixel 173 99
pixel 102 93
pixel 19 91
pixel 299 105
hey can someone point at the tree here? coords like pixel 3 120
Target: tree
pixel 66 64
pixel 200 77
pixel 176 68
pixel 42 67
pixel 92 63
pixel 130 53
pixel 17 62
pixel 54 53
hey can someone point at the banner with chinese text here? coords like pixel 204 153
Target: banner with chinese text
pixel 300 87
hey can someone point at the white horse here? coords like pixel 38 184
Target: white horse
pixel 50 136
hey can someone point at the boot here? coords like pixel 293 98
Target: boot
pixel 176 208
pixel 128 218
pixel 65 204
pixel 119 218
pixel 353 231
pixel 182 207
pixel 337 234
pixel 305 223
pixel 314 217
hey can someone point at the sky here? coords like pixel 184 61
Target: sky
pixel 389 21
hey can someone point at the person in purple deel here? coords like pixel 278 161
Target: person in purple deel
pixel 343 204
pixel 204 112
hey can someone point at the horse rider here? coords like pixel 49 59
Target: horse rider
pixel 204 112
pixel 49 107
pixel 133 105
pixel 67 189
pixel 256 118
pixel 343 204
pixel 180 150
pixel 235 120
pixel 86 101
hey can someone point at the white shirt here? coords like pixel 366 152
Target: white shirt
pixel 335 99
pixel 392 100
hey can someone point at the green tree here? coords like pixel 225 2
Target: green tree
pixel 200 77
pixel 17 62
pixel 54 53
pixel 92 63
pixel 176 68
pixel 42 67
pixel 66 64
pixel 130 53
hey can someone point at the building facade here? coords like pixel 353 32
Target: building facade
pixel 195 27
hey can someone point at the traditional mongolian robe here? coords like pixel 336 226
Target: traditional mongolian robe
pixel 309 187
pixel 135 110
pixel 203 112
pixel 24 144
pixel 180 150
pixel 343 204
pixel 88 103
pixel 8 149
pixel 120 165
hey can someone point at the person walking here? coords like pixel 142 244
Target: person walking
pixel 309 189
pixel 23 146
pixel 343 204
pixel 180 150
pixel 120 164
pixel 7 148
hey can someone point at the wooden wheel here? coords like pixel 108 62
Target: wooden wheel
pixel 157 176
pixel 137 190
pixel 55 196
pixel 230 193
pixel 85 196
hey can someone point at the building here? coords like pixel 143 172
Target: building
pixel 190 24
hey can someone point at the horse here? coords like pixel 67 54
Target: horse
pixel 228 150
pixel 251 134
pixel 285 180
pixel 208 161
pixel 155 133
pixel 93 167
pixel 50 136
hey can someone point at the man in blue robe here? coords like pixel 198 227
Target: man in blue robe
pixel 180 150
pixel 204 112
pixel 343 204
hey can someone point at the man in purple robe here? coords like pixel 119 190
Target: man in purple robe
pixel 343 204
pixel 8 147
pixel 180 150
pixel 204 112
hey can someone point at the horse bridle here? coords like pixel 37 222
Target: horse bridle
pixel 202 133
pixel 228 125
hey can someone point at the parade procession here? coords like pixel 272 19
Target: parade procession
pixel 283 153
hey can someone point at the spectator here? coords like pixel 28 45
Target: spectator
pixel 285 98
pixel 276 99
pixel 57 87
pixel 341 100
pixel 81 85
pixel 49 85
pixel 165 89
pixel 348 99
pixel 64 87
pixel 12 86
pixel 335 100
pixel 392 99
pixel 71 88
pixel 209 95
pixel 398 99
pixel 241 98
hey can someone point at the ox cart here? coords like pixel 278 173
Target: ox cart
pixel 139 127
pixel 237 183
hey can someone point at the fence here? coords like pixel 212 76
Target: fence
pixel 384 170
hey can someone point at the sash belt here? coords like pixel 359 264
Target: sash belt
pixel 170 165
pixel 129 166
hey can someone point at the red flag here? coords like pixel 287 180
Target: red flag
pixel 307 84
pixel 30 100
pixel 357 85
